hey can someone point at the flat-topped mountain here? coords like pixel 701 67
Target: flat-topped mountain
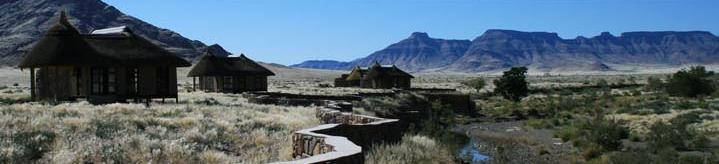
pixel 416 53
pixel 544 51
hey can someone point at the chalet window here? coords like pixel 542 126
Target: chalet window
pixel 38 79
pixel 395 82
pixel 133 80
pixel 227 83
pixel 163 77
pixel 207 83
pixel 96 80
pixel 111 80
pixel 78 80
pixel 103 81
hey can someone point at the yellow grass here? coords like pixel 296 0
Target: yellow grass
pixel 230 130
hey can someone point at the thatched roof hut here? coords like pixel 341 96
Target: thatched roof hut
pixel 376 76
pixel 211 65
pixel 378 71
pixel 357 73
pixel 106 65
pixel 229 74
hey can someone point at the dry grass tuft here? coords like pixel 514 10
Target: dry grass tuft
pixel 412 149
pixel 205 127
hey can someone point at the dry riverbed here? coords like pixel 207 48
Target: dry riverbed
pixel 509 142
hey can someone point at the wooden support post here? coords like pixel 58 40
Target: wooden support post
pixel 193 84
pixel 32 83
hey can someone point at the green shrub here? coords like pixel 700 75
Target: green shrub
pixel 538 123
pixel 659 107
pixel 636 92
pixel 645 108
pixel 634 138
pixel 684 104
pixel 477 84
pixel 687 118
pixel 691 159
pixel 568 133
pixel 608 134
pixel 654 84
pixel 602 83
pixel 699 142
pixel 33 145
pixel 438 118
pixel 513 84
pixel 592 152
pixel 690 83
pixel 638 156
pixel 664 136
pixel 667 155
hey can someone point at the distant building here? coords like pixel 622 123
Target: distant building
pixel 229 74
pixel 353 79
pixel 377 76
pixel 107 65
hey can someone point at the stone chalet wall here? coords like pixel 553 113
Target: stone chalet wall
pixel 343 137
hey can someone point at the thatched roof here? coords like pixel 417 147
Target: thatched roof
pixel 357 73
pixel 211 65
pixel 131 49
pixel 378 70
pixel 61 45
pixel 64 45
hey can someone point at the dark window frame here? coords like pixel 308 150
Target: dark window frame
pixel 103 80
pixel 227 83
pixel 163 80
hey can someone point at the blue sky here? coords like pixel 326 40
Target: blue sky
pixel 291 31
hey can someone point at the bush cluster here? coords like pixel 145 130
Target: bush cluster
pixel 513 84
pixel 690 83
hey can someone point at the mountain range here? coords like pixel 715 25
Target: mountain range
pixel 543 51
pixel 23 22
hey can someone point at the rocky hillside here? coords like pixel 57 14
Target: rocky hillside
pixel 416 53
pixel 23 22
pixel 498 49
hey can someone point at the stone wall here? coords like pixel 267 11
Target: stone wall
pixel 343 137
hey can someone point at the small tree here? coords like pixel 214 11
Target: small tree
pixel 690 83
pixel 513 84
pixel 654 84
pixel 608 134
pixel 477 84
pixel 602 83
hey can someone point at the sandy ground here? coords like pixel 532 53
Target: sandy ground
pixel 288 78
